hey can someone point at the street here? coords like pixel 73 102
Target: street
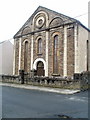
pixel 23 103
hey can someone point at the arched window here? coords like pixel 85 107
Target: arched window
pixel 55 57
pixel 25 56
pixel 39 46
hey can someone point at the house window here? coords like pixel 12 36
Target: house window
pixel 55 57
pixel 39 46
pixel 26 56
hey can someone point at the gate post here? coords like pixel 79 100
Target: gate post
pixel 21 74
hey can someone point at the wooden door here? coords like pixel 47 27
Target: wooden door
pixel 40 69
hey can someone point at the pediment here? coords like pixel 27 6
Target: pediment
pixel 38 21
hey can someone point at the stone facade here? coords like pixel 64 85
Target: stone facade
pixel 44 25
pixel 70 51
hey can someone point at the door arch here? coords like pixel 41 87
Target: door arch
pixel 40 68
pixel 35 63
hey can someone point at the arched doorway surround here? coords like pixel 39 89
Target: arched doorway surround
pixel 40 66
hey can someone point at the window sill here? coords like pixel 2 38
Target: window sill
pixel 54 74
pixel 39 54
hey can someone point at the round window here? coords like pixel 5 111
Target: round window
pixel 40 22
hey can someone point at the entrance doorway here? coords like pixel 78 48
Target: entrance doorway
pixel 40 69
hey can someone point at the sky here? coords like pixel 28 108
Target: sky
pixel 14 13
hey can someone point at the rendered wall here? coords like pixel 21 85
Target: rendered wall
pixel 6 58
pixel 82 49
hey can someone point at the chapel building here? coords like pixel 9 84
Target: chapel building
pixel 51 43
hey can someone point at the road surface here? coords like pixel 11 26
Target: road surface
pixel 23 103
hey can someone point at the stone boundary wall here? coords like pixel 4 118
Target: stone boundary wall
pixel 9 78
pixel 55 82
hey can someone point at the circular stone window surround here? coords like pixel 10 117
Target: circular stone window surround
pixel 40 22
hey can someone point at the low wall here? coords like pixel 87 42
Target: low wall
pixel 82 76
pixel 56 82
pixel 9 78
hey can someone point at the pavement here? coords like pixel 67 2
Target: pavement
pixel 47 89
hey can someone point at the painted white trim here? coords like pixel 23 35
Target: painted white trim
pixel 36 61
pixel 46 53
pixel 19 55
pixel 47 39
pixel 26 40
pixel 65 52
pixel 35 64
pixel 38 14
pixel 76 69
pixel 31 52
pixel 40 59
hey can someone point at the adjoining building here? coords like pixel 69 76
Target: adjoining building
pixel 51 43
pixel 6 58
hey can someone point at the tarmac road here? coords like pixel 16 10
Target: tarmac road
pixel 24 103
